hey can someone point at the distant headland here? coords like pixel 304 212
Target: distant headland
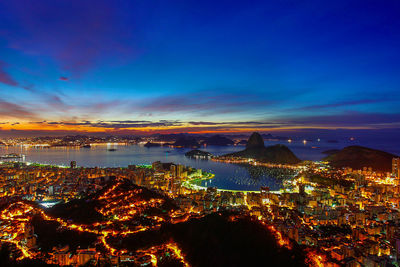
pixel 255 149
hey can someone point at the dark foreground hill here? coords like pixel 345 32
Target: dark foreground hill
pixel 219 240
pixel 256 149
pixel 115 198
pixel 357 157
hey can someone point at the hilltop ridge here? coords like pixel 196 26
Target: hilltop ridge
pixel 357 157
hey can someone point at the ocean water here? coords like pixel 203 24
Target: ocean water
pixel 227 176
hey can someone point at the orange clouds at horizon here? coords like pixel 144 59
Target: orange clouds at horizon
pixel 181 128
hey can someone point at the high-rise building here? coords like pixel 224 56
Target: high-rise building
pixel 396 167
pixel 157 165
pixel 172 169
pixel 51 190
pixel 179 171
pixel 29 236
pixel 73 164
pixel 302 190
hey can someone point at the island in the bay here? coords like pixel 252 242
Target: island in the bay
pixel 196 153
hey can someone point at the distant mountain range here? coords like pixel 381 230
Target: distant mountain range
pixel 186 142
pixel 150 144
pixel 256 149
pixel 217 140
pixel 190 141
pixel 271 137
pixel 209 139
pixel 357 157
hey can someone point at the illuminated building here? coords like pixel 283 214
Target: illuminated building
pixel 29 236
pixel 51 190
pixel 157 166
pixel 173 170
pixel 396 167
pixel 73 164
pixel 179 171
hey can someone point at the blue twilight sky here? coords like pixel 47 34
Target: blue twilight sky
pixel 199 66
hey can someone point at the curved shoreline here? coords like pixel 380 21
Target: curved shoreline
pixel 189 184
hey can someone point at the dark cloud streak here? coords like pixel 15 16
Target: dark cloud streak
pixel 5 77
pixel 205 103
pixel 344 104
pixel 348 119
pixel 12 110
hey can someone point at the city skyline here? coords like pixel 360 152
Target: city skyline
pixel 138 68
